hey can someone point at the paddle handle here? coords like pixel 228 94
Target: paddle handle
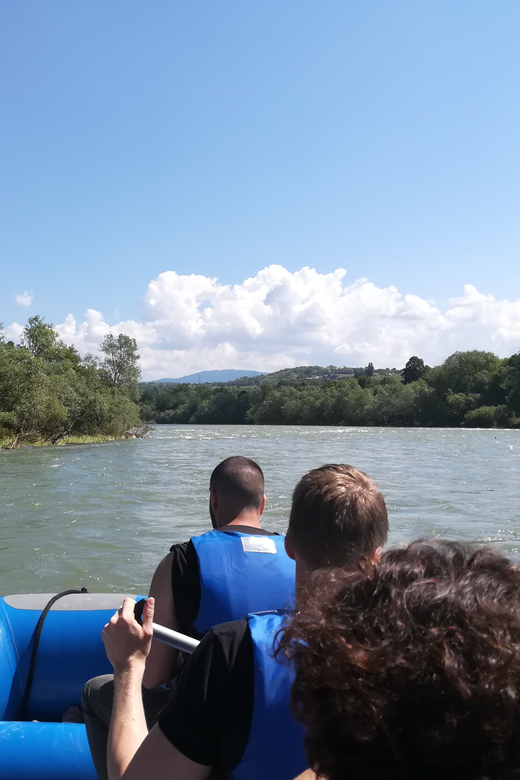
pixel 166 635
pixel 174 639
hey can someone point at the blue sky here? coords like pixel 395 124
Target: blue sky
pixel 141 143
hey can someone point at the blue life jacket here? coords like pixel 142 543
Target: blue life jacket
pixel 241 573
pixel 275 747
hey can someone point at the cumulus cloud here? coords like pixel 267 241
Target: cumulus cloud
pixel 25 299
pixel 13 332
pixel 278 319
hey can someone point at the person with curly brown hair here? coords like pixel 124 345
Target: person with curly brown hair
pixel 410 667
pixel 229 715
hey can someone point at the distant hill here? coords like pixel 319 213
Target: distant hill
pixel 221 375
pixel 310 375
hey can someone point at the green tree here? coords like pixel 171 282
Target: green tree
pixel 121 362
pixel 512 382
pixel 464 372
pixel 414 370
pixel 42 341
pixel 483 417
pixel 39 337
pixel 47 391
pixel 365 381
pixel 459 405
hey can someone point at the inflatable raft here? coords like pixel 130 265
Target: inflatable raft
pixel 34 742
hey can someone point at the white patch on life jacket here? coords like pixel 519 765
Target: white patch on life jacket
pixel 262 544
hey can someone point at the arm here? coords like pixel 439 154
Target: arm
pixel 161 659
pixel 157 758
pixel 127 645
pixel 133 754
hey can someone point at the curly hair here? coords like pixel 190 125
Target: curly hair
pixel 410 668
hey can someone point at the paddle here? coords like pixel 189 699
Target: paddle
pixel 167 635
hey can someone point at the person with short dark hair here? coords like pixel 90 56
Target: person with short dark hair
pixel 230 712
pixel 410 667
pixel 238 483
pixel 236 568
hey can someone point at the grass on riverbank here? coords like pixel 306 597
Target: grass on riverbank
pixel 6 443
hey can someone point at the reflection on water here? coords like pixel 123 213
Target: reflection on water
pixel 102 515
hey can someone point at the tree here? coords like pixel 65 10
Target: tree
pixel 42 341
pixel 121 362
pixel 39 337
pixel 414 370
pixel 465 372
pixel 483 417
pixel 47 392
pixel 512 382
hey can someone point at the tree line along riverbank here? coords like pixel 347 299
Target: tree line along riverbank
pixel 471 389
pixel 49 394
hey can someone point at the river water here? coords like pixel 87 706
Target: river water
pixel 103 515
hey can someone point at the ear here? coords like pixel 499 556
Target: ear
pixel 262 505
pixel 213 498
pixel 289 549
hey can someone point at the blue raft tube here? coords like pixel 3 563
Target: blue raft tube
pixel 36 744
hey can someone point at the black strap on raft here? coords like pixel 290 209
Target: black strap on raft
pixel 22 711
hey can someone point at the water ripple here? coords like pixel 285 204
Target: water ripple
pixel 102 516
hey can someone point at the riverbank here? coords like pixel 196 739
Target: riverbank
pixel 15 443
pixel 10 442
pixel 469 390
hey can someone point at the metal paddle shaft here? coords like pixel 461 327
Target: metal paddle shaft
pixel 167 635
pixel 174 639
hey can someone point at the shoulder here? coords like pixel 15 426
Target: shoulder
pixel 182 556
pixel 227 640
pixel 208 717
pixel 224 654
pixel 180 548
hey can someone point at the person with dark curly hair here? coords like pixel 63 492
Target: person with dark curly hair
pixel 410 667
pixel 230 715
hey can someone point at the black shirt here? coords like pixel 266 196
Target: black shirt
pixel 186 580
pixel 208 717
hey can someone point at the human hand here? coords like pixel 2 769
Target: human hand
pixel 127 643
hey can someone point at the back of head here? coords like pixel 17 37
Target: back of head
pixel 239 483
pixel 411 668
pixel 337 515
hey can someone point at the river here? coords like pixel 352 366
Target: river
pixel 102 516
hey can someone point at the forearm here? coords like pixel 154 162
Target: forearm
pixel 160 665
pixel 128 724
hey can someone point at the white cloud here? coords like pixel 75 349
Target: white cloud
pixel 278 319
pixel 25 299
pixel 13 332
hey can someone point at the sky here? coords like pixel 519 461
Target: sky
pixel 257 185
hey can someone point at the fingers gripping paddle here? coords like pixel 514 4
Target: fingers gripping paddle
pixel 166 635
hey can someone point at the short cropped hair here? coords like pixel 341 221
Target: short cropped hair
pixel 239 481
pixel 410 668
pixel 338 514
